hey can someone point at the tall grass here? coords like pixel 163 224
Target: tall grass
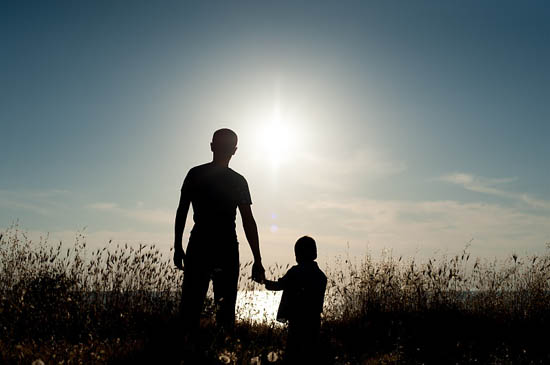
pixel 511 288
pixel 120 303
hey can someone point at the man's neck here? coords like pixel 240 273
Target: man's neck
pixel 220 162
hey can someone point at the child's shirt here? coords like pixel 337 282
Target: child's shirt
pixel 303 288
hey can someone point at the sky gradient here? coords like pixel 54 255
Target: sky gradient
pixel 411 126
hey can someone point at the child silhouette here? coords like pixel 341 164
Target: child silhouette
pixel 301 304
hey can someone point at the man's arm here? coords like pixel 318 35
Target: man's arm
pixel 181 217
pixel 251 232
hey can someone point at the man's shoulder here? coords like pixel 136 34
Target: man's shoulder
pixel 238 179
pixel 198 170
pixel 200 167
pixel 236 174
pixel 208 166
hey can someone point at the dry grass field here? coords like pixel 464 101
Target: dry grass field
pixel 120 305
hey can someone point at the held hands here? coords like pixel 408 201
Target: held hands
pixel 258 272
pixel 179 257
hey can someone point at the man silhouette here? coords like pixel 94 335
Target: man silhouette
pixel 215 191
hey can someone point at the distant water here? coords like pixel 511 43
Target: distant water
pixel 258 305
pixel 255 305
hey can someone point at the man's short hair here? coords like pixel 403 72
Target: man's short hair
pixel 305 249
pixel 224 141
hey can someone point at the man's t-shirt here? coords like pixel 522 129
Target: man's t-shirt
pixel 215 192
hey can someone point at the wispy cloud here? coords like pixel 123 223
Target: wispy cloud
pixel 103 206
pixel 337 173
pixel 358 160
pixel 493 187
pixel 431 225
pixel 141 214
pixel 42 202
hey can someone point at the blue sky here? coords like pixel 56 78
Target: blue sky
pixel 410 126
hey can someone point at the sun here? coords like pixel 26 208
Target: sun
pixel 277 139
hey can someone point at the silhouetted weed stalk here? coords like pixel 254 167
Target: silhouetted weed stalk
pixel 69 305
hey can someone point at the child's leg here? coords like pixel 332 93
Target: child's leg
pixel 302 341
pixel 292 344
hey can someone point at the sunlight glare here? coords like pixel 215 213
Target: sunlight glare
pixel 276 139
pixel 258 305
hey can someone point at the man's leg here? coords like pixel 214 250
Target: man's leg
pixel 225 283
pixel 195 285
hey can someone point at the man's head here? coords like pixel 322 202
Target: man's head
pixel 224 143
pixel 305 250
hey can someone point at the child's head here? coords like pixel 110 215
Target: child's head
pixel 305 249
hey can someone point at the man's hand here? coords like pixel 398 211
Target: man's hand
pixel 258 272
pixel 179 258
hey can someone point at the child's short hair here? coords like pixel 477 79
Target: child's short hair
pixel 305 249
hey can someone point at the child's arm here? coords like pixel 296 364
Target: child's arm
pixel 273 285
pixel 280 284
